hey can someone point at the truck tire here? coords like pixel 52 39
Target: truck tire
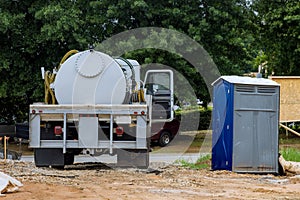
pixel 164 139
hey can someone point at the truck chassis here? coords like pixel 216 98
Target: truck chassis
pixel 59 132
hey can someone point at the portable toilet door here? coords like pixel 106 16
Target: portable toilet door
pixel 222 126
pixel 245 124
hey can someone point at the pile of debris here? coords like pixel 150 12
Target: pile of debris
pixel 289 166
pixel 8 184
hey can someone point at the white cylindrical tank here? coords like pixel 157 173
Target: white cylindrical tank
pixel 90 77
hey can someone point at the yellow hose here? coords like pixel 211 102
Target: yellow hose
pixel 66 56
pixel 50 78
pixel 49 94
pixel 142 94
pixel 138 96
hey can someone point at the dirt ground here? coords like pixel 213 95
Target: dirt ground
pixel 160 181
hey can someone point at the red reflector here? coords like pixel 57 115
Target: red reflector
pixel 58 130
pixel 40 111
pixel 143 112
pixel 33 111
pixel 119 131
pixel 135 113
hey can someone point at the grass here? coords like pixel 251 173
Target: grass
pixel 192 109
pixel 202 140
pixel 290 154
pixel 288 139
pixel 198 139
pixel 201 163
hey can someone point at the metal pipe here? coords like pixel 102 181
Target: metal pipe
pixel 111 134
pixel 65 134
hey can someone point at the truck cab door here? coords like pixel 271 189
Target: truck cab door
pixel 159 84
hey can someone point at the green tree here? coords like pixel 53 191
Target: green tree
pixel 36 33
pixel 279 30
pixel 224 28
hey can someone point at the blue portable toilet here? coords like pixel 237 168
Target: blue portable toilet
pixel 245 124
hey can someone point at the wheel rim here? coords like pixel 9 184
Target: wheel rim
pixel 166 139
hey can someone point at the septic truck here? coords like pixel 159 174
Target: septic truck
pixel 96 104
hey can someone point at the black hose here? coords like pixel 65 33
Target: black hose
pixel 132 71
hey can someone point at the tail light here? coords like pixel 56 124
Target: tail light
pixel 58 130
pixel 119 131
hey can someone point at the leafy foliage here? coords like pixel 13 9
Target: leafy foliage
pixel 36 33
pixel 279 29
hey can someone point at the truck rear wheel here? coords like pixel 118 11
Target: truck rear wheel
pixel 52 157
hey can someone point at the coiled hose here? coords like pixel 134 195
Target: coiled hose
pixel 137 95
pixel 50 78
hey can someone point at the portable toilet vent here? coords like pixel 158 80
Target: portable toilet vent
pixel 245 124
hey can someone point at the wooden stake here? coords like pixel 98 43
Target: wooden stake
pixel 4 148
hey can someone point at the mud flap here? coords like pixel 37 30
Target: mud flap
pixel 138 158
pixel 52 157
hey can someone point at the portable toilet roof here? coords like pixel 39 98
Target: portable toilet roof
pixel 246 80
